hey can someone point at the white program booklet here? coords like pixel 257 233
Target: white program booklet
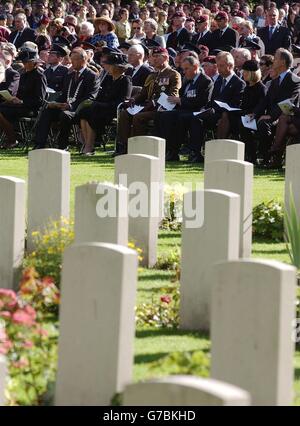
pixel 226 106
pixel 163 101
pixel 249 122
pixel 286 107
pixel 135 109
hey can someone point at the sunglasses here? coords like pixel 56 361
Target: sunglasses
pixel 136 28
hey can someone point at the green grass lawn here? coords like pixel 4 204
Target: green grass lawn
pixel 152 345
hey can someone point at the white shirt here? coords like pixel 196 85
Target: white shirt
pixel 53 68
pixel 214 77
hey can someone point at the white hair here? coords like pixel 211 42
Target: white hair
pixel 227 56
pixel 89 27
pixel 152 23
pixel 137 48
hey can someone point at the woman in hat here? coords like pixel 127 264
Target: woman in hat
pixel 30 96
pixel 93 118
pixel 104 31
pixel 253 94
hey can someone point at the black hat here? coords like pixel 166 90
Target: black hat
pixel 62 41
pixel 3 17
pixel 28 55
pixel 250 66
pixel 109 50
pixel 60 50
pixel 251 45
pixel 116 59
pixel 150 43
pixel 84 45
pixel 190 47
pixel 125 45
pixel 215 52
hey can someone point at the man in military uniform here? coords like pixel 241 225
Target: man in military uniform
pixel 55 72
pixel 163 80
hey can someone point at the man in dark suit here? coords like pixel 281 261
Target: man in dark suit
pixel 174 125
pixel 80 85
pixel 203 35
pixel 12 77
pixel 228 88
pixel 224 35
pixel 285 86
pixel 56 73
pixel 180 35
pixel 21 34
pixel 139 71
pixel 274 36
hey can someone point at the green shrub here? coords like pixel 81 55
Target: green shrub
pixel 49 247
pixel 160 313
pixel 169 261
pixel 268 220
pixel 196 363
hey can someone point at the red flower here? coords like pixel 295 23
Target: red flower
pixel 166 299
pixel 24 316
pixel 8 298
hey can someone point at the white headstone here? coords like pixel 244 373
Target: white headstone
pixel 151 145
pixel 217 239
pixel 292 175
pixel 48 188
pixel 141 175
pixel 101 213
pixel 224 149
pixel 235 176
pixel 253 308
pixel 184 391
pixel 12 229
pixel 97 323
pixel 3 375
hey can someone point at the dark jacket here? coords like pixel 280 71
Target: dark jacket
pixel 280 38
pixel 32 89
pixel 252 96
pixel 232 93
pixel 87 87
pixel 11 83
pixel 195 96
pixel 219 41
pixel 113 93
pixel 55 79
pixel 288 89
pixel 27 34
pixel 176 40
pixel 139 78
pixel 205 40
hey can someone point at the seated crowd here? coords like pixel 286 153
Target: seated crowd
pixel 186 72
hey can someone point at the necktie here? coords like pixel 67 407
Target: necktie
pixel 223 85
pixel 76 76
pixel 271 29
pixel 17 36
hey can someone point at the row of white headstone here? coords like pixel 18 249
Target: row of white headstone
pixel 250 303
